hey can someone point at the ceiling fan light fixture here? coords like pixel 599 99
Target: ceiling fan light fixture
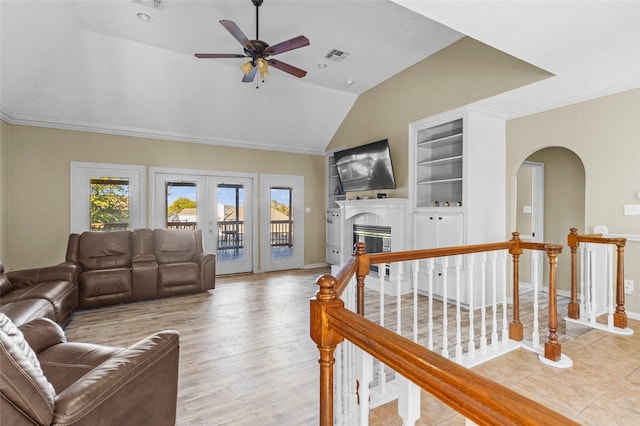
pixel 247 67
pixel 263 68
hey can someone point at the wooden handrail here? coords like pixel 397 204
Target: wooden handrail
pixel 477 398
pixel 573 241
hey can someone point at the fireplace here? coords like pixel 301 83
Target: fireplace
pixel 381 224
pixel 377 239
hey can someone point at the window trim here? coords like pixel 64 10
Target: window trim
pixel 81 173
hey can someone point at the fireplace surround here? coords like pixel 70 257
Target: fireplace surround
pixel 380 221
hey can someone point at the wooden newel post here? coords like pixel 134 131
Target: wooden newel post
pixel 362 270
pixel 620 316
pixel 327 340
pixel 573 309
pixel 552 347
pixel 515 327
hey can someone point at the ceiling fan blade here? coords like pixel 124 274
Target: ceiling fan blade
pixel 285 46
pixel 238 34
pixel 219 55
pixel 287 68
pixel 248 78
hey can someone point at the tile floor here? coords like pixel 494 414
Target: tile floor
pixel 601 388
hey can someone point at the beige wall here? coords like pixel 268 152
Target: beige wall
pixel 464 72
pixel 38 183
pixel 605 135
pixel 3 189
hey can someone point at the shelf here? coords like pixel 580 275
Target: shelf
pixel 441 161
pixel 431 182
pixel 429 143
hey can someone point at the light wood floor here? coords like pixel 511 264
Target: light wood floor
pixel 246 357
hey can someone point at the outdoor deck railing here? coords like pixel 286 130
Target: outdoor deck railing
pixel 348 341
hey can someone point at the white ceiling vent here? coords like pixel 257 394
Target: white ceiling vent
pixel 337 55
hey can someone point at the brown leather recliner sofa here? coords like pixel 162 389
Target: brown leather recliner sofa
pixel 47 380
pixel 123 266
pixel 48 292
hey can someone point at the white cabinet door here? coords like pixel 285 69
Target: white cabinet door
pixel 436 229
pixel 333 237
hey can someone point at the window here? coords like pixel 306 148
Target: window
pixel 108 203
pixel 182 204
pixel 107 197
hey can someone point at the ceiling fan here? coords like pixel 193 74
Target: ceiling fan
pixel 259 51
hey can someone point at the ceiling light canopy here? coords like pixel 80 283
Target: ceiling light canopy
pixel 143 16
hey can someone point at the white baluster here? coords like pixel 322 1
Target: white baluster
pixel 339 375
pixel 470 273
pixel 445 320
pixel 505 320
pixel 399 301
pixel 382 377
pixel 592 284
pixel 610 285
pixel 431 272
pixel 582 277
pixel 364 370
pixel 415 267
pixel 494 302
pixel 408 401
pixel 535 260
pixel 458 260
pixel 483 309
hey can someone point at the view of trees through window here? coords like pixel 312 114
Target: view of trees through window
pixel 181 204
pixel 109 203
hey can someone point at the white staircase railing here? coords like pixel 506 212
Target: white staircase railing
pixel 597 289
pixel 458 307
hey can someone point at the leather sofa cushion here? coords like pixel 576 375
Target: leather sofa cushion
pixel 23 311
pixel 65 364
pixel 105 286
pixel 176 245
pixel 178 278
pixel 62 295
pixel 105 250
pixel 22 380
pixel 177 274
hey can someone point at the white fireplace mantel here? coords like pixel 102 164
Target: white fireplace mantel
pixel 391 212
pixel 387 212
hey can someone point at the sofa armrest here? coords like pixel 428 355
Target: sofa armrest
pixel 42 333
pixel 137 386
pixel 65 271
pixel 207 264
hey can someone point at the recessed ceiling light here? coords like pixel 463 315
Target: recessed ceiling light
pixel 350 82
pixel 143 17
pixel 322 65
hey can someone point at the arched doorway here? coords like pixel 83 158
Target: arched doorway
pixel 563 198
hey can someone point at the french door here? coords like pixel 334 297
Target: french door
pixel 220 205
pixel 229 223
pixel 282 222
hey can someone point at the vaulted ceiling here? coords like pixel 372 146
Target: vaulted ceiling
pixel 93 65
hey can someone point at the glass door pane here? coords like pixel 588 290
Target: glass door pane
pixel 181 204
pixel 230 221
pixel 281 223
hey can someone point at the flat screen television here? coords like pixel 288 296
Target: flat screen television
pixel 366 167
